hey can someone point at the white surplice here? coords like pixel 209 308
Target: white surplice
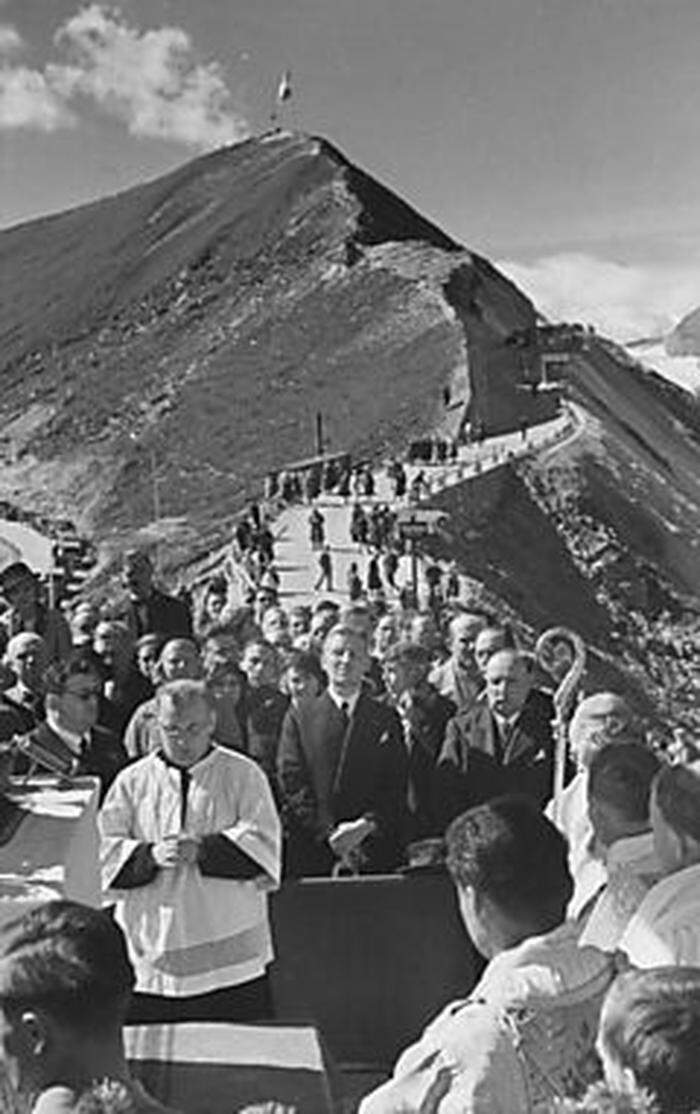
pixel 665 930
pixel 189 933
pixel 632 868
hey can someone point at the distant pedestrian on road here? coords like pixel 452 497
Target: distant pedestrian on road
pixel 374 579
pixel 452 581
pixel 390 564
pixel 317 529
pixel 400 481
pixel 354 583
pixel 325 565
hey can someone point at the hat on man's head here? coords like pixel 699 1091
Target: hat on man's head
pixel 15 574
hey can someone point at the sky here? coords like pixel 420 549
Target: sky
pixel 561 138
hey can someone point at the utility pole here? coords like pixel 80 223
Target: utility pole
pixel 154 482
pixel 414 572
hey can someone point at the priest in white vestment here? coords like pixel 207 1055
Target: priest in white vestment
pixel 190 848
pixel 601 718
pixel 620 778
pixel 665 930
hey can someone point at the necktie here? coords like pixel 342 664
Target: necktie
pixel 345 713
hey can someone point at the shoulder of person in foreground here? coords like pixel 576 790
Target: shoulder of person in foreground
pixel 464 1063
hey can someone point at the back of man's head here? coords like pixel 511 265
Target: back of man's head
pixel 511 856
pixel 68 961
pixel 677 793
pixel 601 718
pixel 619 790
pixel 650 1030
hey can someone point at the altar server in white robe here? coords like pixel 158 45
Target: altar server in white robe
pixel 190 847
pixel 665 930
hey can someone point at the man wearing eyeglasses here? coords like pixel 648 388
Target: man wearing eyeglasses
pixel 190 848
pixel 70 737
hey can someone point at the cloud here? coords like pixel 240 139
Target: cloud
pixel 624 301
pixel 151 80
pixel 10 39
pixel 28 101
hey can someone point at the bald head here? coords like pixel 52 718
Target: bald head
pixel 603 717
pixel 508 682
pixel 186 718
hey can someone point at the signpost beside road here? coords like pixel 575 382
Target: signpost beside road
pixel 413 524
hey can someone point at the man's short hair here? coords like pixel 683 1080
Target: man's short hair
pixel 504 631
pixel 24 638
pixel 621 775
pixel 157 641
pixel 69 960
pixel 345 630
pixel 326 605
pixel 305 662
pixel 184 692
pixel 677 792
pixel 407 653
pixel 650 1024
pixel 78 662
pixel 507 850
pixel 15 574
pixel 302 611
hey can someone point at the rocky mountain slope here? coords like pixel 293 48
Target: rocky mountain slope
pixel 194 326
pixel 163 349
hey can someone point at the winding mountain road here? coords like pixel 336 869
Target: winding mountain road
pixel 298 564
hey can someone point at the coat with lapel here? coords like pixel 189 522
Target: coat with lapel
pixel 103 756
pixel 328 773
pixel 475 764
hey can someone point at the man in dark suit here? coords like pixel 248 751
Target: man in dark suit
pixel 150 610
pixel 342 772
pixel 124 687
pixel 502 744
pixel 424 715
pixel 70 737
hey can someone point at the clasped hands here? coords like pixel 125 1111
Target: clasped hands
pixel 346 837
pixel 175 850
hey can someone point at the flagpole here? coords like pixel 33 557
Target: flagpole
pixel 284 92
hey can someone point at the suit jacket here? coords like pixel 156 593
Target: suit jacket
pixel 264 710
pixel 159 614
pixel 475 765
pixel 116 710
pixel 424 739
pixel 329 772
pixel 103 757
pixel 17 715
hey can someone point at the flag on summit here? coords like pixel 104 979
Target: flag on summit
pixel 284 89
